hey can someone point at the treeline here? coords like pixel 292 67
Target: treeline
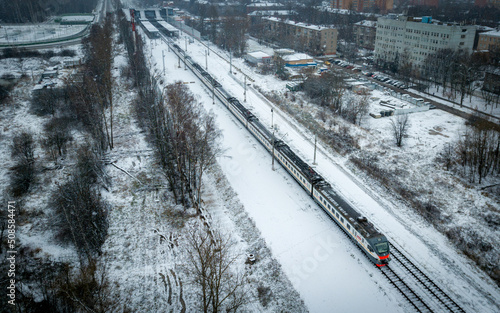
pixel 35 11
pixel 25 53
pixel 184 136
pixel 475 155
pixel 457 73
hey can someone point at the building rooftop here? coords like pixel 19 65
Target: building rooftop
pixel 264 4
pixel 367 23
pixel 259 54
pixel 272 12
pixel 298 24
pixel 492 33
pixel 422 19
pixel 297 57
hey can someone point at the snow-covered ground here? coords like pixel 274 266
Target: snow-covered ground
pixel 18 34
pixel 325 267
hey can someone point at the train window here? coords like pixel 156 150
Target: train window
pixel 348 226
pixel 342 220
pixel 337 213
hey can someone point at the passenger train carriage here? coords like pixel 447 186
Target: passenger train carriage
pixel 358 228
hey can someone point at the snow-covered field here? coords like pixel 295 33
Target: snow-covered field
pixel 299 232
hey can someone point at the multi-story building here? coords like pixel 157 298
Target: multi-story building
pixel 483 3
pixel 363 5
pixel 489 41
pixel 313 39
pixel 414 39
pixel 427 3
pixel 365 32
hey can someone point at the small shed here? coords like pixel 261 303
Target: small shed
pixel 257 57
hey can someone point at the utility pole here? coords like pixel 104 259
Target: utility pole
pixel 185 60
pixel 163 54
pixel 272 166
pixel 272 116
pixel 213 94
pixel 245 90
pixel 314 162
pixel 230 62
pixel 206 60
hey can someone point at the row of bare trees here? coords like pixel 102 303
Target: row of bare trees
pixel 96 90
pixel 186 143
pixel 185 138
pixel 475 155
pixel 184 135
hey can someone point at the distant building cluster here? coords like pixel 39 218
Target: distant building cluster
pixel 363 5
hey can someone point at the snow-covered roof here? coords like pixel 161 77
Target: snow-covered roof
pixel 367 23
pixel 271 12
pixel 259 54
pixel 297 57
pixel 492 33
pixel 264 4
pixel 298 24
pixel 284 51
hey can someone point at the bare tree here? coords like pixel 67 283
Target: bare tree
pixel 57 135
pixel 233 38
pixel 210 265
pixel 23 172
pixel 479 153
pixel 400 124
pixel 354 107
pixel 80 210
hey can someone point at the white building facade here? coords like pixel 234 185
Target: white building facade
pixel 420 37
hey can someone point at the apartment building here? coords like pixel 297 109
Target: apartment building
pixel 419 37
pixel 365 32
pixel 313 39
pixel 489 41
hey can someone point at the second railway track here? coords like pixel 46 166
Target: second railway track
pixel 424 295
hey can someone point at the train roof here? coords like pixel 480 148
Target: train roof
pixel 306 170
pixel 360 223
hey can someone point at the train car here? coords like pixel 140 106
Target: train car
pixel 367 237
pixel 373 243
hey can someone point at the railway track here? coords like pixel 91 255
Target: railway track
pixel 424 295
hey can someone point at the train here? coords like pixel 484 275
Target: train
pixel 368 238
